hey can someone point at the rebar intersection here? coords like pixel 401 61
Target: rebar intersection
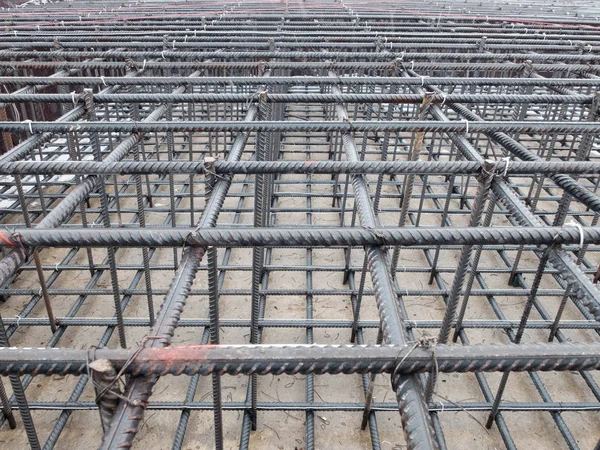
pixel 274 188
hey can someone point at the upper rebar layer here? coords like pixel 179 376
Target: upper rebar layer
pixel 308 190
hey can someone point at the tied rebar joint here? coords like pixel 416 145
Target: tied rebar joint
pixel 108 391
pixel 528 69
pixel 426 343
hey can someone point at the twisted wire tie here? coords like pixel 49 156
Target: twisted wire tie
pixel 507 159
pixel 252 97
pixel 377 233
pixel 427 343
pixel 444 98
pixel 117 378
pixel 577 225
pixel 28 121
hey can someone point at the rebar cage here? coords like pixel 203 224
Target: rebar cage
pixel 277 224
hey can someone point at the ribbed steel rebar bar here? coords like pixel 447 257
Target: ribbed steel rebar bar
pixel 283 167
pixel 416 422
pixel 304 359
pixel 347 126
pixel 295 236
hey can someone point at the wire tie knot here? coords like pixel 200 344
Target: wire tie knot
pixel 508 160
pixel 423 343
pixel 577 225
pixel 444 98
pixel 28 121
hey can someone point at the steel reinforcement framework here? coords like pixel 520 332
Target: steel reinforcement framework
pixel 160 161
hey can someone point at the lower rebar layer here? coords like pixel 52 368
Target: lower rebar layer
pixel 300 224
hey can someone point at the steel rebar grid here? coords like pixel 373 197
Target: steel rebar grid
pixel 467 56
pixel 130 411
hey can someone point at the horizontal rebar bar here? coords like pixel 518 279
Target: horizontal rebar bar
pixel 288 126
pixel 295 81
pixel 396 99
pixel 305 359
pixel 296 236
pixel 283 167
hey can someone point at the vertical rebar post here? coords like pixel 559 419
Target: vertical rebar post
pixel 36 257
pixel 142 221
pixel 19 393
pixel 519 335
pixel 261 200
pixel 95 141
pixel 108 391
pixel 213 297
pixel 487 220
pixel 6 136
pixel 170 157
pixel 6 407
pixel 370 388
pixel 73 154
pixel 409 180
pixel 484 181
